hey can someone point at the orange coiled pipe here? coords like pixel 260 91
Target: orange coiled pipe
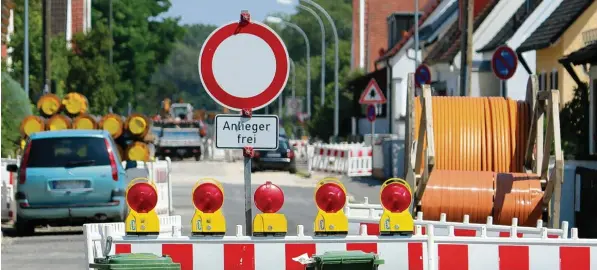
pixel 479 148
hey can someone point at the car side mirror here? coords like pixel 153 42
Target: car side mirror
pixel 12 167
pixel 131 164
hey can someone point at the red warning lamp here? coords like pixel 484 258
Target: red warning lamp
pixel 142 197
pixel 330 197
pixel 208 198
pixel 396 197
pixel 269 198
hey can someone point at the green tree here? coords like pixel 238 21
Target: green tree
pixel 178 77
pixel 58 54
pixel 574 120
pixel 15 106
pixel 141 43
pixel 91 73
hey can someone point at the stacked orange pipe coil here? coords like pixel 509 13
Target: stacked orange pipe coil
pixel 479 153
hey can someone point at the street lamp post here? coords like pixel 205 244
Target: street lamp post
pixel 300 30
pixel 322 51
pixel 336 65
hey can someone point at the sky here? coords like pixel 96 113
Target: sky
pixel 219 12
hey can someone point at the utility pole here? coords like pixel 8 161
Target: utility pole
pixel 416 34
pixel 47 31
pixel 466 48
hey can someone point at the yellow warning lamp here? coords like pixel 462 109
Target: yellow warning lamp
pixel 330 198
pixel 137 151
pixel 137 125
pixel 58 122
pixel 396 197
pixel 208 199
pixel 84 121
pixel 32 124
pixel 142 198
pixel 75 103
pixel 269 199
pixel 113 124
pixel 23 143
pixel 48 105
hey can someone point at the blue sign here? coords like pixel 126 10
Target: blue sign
pixel 371 113
pixel 504 62
pixel 422 75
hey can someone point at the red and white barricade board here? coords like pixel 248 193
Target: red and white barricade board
pixel 369 214
pixel 416 252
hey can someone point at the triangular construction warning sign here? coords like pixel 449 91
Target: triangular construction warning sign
pixel 372 94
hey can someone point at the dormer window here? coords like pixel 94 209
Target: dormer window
pixel 398 25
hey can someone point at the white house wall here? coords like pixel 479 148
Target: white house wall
pixel 402 65
pixel 516 86
pixel 491 25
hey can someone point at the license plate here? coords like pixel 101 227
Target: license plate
pixel 181 151
pixel 274 155
pixel 74 184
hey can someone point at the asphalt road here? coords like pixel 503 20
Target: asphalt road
pixel 63 248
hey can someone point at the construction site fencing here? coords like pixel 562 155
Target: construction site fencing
pixel 8 190
pixel 369 214
pixel 418 251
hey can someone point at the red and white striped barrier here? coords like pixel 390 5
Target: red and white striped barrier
pixel 348 159
pixel 369 214
pixel 418 251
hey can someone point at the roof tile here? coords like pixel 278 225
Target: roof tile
pixel 555 25
pixel 511 26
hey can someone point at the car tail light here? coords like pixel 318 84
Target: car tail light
pixel 256 154
pixel 23 169
pixel 290 153
pixel 112 160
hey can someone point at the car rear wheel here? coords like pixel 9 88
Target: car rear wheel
pixel 24 227
pixel 292 170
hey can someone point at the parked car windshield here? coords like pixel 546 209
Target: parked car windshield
pixel 68 152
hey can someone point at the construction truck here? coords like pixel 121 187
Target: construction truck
pixel 179 133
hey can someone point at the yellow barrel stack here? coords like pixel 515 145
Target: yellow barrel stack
pixel 131 134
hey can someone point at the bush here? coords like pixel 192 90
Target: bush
pixel 574 124
pixel 15 106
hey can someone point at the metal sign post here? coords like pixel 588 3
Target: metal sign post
pixel 371 115
pixel 229 79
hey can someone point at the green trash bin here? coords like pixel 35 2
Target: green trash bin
pixel 345 260
pixel 135 261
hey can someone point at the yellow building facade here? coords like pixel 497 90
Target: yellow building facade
pixel 551 72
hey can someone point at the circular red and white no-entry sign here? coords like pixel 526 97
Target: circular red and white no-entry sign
pixel 244 67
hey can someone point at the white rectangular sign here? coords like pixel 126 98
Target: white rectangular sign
pixel 235 132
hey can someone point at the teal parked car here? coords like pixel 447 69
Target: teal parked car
pixel 69 177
